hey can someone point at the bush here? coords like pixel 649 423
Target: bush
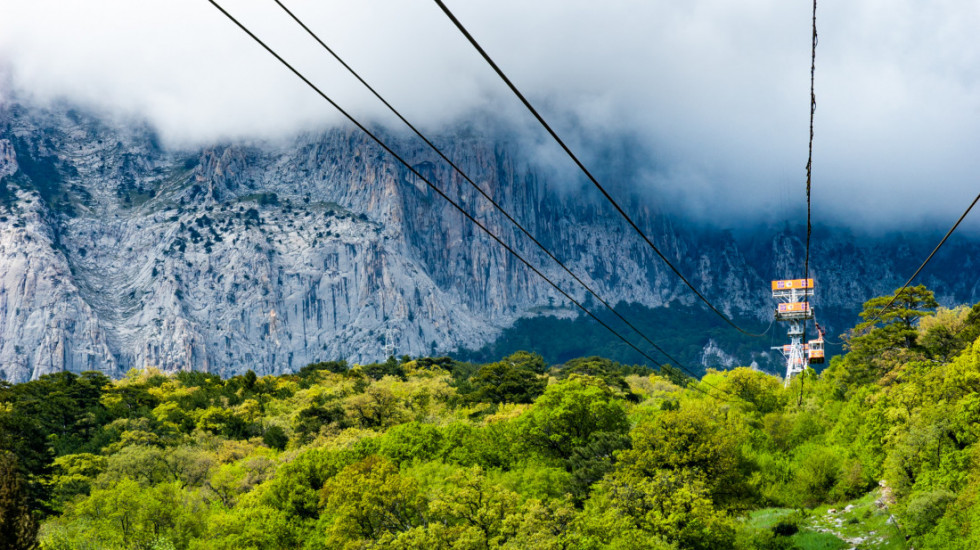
pixel 275 437
pixel 789 525
pixel 925 509
pixel 818 469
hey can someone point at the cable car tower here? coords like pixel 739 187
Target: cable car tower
pixel 794 308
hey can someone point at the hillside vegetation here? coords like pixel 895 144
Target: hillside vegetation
pixel 435 453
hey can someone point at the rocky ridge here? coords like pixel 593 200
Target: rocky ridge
pixel 116 252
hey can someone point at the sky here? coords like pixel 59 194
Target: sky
pixel 714 92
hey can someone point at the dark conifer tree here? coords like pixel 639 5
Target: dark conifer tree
pixel 18 527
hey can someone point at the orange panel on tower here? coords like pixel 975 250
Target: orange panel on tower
pixel 788 348
pixel 790 284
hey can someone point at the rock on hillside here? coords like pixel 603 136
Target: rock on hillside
pixel 116 252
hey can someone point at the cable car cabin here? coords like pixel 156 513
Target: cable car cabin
pixel 794 311
pixel 815 351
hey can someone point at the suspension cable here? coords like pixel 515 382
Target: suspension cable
pixel 586 171
pixel 442 194
pixel 473 184
pixel 809 172
pixel 881 312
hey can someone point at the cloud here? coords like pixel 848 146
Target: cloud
pixel 716 92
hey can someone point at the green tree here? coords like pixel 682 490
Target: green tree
pixel 411 441
pixel 613 373
pixel 376 407
pixel 887 338
pixel 74 475
pixel 149 465
pixel 128 515
pixel 295 489
pixel 505 382
pixel 18 527
pixel 946 333
pixel 675 375
pixel 971 326
pixel 542 525
pixel 222 421
pixel 56 414
pixel 756 391
pixel 275 437
pixel 391 367
pixel 816 470
pixel 309 420
pixel 250 527
pixel 474 508
pixel 308 374
pixel 527 360
pixel 370 499
pixel 569 415
pixel 591 462
pixel 664 505
pixel 131 400
pixel 698 440
pixel 908 305
pixel 249 380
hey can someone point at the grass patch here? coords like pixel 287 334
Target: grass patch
pixel 863 526
pixel 864 521
pixel 767 518
pixel 811 540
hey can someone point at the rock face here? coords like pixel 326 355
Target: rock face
pixel 117 253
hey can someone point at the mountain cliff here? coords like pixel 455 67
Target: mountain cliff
pixel 117 252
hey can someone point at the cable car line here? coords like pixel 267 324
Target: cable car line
pixel 809 160
pixel 473 184
pixel 881 312
pixel 439 191
pixel 585 170
pixel 809 172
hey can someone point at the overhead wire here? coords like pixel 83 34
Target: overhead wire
pixel 882 311
pixel 771 323
pixel 809 160
pixel 772 339
pixel 833 342
pixel 474 185
pixel 809 171
pixel 442 194
pixel 586 171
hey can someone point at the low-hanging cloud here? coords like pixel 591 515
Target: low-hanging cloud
pixel 716 92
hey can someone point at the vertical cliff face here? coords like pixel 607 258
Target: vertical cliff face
pixel 45 326
pixel 118 253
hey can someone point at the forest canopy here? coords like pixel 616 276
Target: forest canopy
pixel 437 453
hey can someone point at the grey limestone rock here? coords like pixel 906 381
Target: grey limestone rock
pixel 117 252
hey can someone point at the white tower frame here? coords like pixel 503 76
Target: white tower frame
pixel 389 347
pixel 798 292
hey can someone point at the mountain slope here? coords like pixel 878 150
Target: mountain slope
pixel 117 252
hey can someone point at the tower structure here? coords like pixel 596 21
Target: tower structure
pixel 794 309
pixel 389 348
